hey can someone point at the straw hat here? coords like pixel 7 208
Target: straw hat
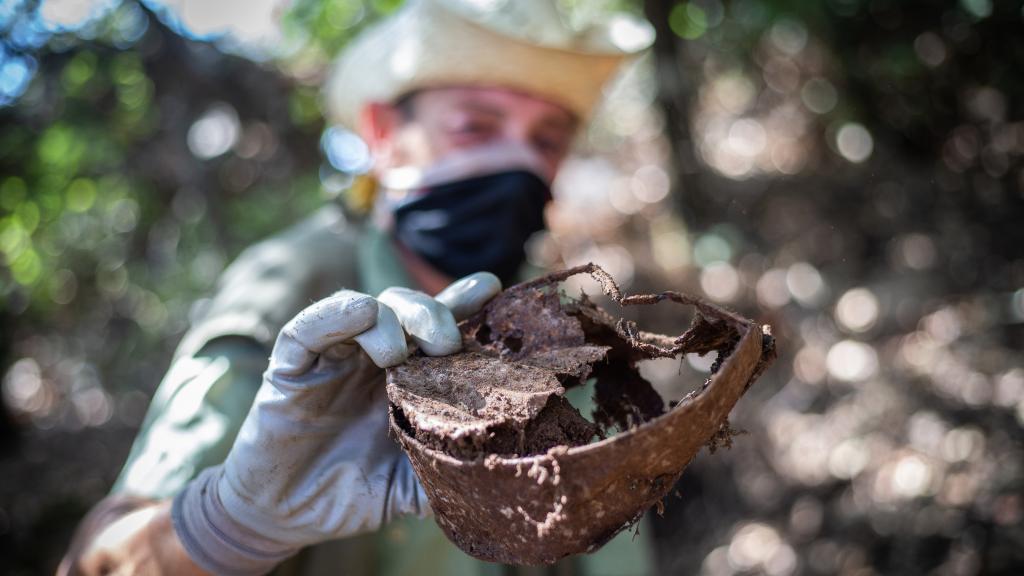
pixel 519 44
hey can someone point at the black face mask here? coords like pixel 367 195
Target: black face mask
pixel 476 224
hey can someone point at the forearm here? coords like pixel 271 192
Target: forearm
pixel 192 422
pixel 133 537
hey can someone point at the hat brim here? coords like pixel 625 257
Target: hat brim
pixel 428 45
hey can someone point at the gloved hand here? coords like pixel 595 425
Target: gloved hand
pixel 313 460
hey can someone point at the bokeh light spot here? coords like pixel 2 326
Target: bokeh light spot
pixel 911 477
pixel 857 310
pixel 23 387
pixel 688 21
pixel 650 184
pixel 720 281
pixel 629 34
pixel 772 291
pixel 747 137
pixel 930 49
pixel 809 364
pixel 917 251
pixel 758 545
pixel 805 284
pixel 819 95
pixel 848 459
pixel 214 133
pixel 345 151
pixel 852 361
pixel 81 194
pixel 977 8
pixel 788 35
pixel 711 248
pixel 1017 304
pixel 854 142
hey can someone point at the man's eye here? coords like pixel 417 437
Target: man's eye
pixel 549 146
pixel 472 128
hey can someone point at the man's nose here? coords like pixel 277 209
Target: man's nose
pixel 522 133
pixel 518 132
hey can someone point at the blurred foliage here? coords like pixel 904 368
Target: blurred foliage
pixel 330 25
pixel 133 166
pixel 850 171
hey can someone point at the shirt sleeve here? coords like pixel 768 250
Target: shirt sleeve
pixel 194 416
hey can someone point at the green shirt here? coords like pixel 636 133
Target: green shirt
pixel 208 389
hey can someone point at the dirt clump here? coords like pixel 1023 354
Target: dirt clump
pixel 473 404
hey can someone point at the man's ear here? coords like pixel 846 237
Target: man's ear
pixel 378 123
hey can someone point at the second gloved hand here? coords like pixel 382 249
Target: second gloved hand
pixel 313 460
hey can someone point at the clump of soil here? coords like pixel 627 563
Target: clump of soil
pixel 474 404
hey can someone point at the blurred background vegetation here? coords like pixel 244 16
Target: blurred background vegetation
pixel 849 171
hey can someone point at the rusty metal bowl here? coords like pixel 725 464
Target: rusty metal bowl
pixel 503 500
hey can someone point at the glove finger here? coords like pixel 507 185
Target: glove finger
pixel 428 321
pixel 333 320
pixel 467 295
pixel 385 342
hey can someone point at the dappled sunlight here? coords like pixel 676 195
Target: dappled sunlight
pixel 849 173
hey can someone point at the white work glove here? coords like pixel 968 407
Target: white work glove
pixel 313 460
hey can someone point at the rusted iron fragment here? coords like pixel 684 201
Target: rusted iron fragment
pixel 515 473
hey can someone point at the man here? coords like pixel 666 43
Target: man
pixel 469 108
